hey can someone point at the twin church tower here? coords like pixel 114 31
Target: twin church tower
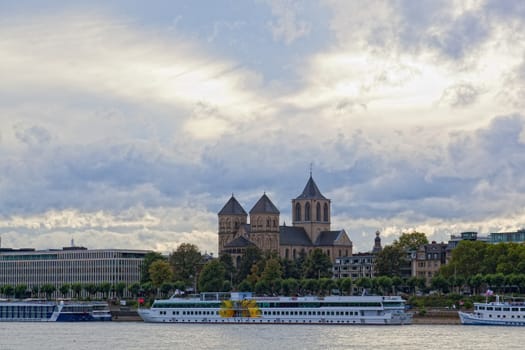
pixel 310 227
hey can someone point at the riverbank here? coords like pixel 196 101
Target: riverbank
pixel 438 316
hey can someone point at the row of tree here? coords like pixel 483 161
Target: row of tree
pixel 66 290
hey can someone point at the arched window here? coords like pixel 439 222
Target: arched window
pixel 268 223
pixel 318 212
pixel 259 222
pixel 286 253
pixel 307 212
pixel 298 212
pixel 325 212
pixel 238 261
pixel 294 253
pixel 274 223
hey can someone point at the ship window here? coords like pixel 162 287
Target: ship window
pixel 515 309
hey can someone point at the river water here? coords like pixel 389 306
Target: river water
pixel 137 335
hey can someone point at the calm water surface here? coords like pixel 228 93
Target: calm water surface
pixel 131 335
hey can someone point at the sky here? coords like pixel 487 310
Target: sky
pixel 129 124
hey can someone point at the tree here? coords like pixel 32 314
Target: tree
pixel 8 290
pixel 20 290
pixel 212 276
pixel 48 289
pixel 77 289
pixel 272 275
pixel 317 265
pixel 326 285
pixel 388 261
pixel 440 283
pixel 64 289
pixel 119 289
pixel 186 262
pixel 290 286
pixel 91 289
pixel 104 288
pixel 35 291
pixel 135 289
pixel 149 259
pixel 385 284
pixel 411 241
pixel 160 272
pixel 310 285
pixel 252 255
pixel 363 283
pixel 166 288
pixel 345 285
pixel 227 261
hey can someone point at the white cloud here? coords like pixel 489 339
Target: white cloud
pixel 287 27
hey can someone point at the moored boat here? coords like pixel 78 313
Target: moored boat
pixel 242 307
pixel 51 311
pixel 496 313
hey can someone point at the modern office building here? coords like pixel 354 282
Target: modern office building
pixel 70 265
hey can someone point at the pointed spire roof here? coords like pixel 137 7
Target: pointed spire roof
pixel 264 206
pixel 232 207
pixel 311 191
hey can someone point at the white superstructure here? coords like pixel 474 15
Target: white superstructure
pixel 243 308
pixel 495 313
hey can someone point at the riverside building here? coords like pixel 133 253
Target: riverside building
pixel 69 265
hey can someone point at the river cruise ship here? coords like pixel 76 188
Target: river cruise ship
pixel 50 311
pixel 497 313
pixel 242 307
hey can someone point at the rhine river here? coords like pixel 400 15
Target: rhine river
pixel 136 335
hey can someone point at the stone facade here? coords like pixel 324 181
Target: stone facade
pixel 311 217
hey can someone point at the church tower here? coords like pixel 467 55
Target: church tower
pixel 377 244
pixel 311 210
pixel 231 217
pixel 264 223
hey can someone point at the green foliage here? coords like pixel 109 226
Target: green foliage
pixel 253 255
pixel 212 277
pixel 317 265
pixel 389 261
pixel 20 291
pixel 48 289
pixel 8 290
pixel 186 262
pixel 104 288
pixel 64 289
pixel 119 289
pixel 77 289
pixel 411 241
pixel 149 259
pixel 160 272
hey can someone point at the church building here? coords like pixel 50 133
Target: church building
pixel 311 217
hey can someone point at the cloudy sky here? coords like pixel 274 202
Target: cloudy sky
pixel 129 124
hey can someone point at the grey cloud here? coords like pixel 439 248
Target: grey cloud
pixel 460 95
pixel 32 136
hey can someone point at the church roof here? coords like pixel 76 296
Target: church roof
pixel 239 242
pixel 264 206
pixel 311 191
pixel 290 235
pixel 232 207
pixel 328 237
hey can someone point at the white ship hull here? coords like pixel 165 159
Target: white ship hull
pixel 367 310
